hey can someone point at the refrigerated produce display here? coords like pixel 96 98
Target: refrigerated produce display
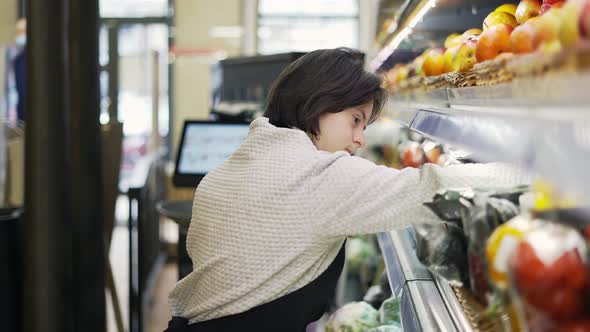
pixel 505 81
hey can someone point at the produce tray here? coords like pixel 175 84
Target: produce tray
pixel 523 96
pixel 561 90
pixel 537 66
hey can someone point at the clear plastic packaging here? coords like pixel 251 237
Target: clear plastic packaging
pixel 442 248
pixel 479 222
pixel 353 317
pixel 550 279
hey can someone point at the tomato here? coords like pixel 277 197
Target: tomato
pixel 582 325
pixel 577 275
pixel 559 304
pixel 531 274
pixel 527 268
pixel 568 271
pixel 413 156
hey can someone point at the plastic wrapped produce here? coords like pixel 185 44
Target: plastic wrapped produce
pixel 358 251
pixel 353 317
pixel 512 194
pixel 486 214
pixel 389 313
pixel 457 252
pixel 576 218
pixel 434 153
pixel 442 249
pixel 387 328
pixel 375 296
pixel 549 270
pixel 412 155
pixel 449 204
pixel 384 283
pixel 378 293
pixel 502 244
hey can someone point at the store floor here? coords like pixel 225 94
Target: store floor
pixel 158 313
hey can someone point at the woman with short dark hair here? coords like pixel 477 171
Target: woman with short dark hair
pixel 269 225
pixel 324 81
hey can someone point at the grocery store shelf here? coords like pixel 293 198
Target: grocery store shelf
pixel 422 22
pixel 541 124
pixel 427 304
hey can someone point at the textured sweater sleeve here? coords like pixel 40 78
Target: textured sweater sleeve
pixel 354 196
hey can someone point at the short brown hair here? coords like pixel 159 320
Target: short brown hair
pixel 319 82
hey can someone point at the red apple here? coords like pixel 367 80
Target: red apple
pixel 521 39
pixel 499 18
pixel 546 28
pixel 584 20
pixel 453 39
pixel 464 58
pixel 468 33
pixel 434 62
pixel 494 41
pixel 545 7
pixel 448 58
pixel 569 33
pixel 527 9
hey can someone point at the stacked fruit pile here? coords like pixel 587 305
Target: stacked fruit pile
pixel 543 29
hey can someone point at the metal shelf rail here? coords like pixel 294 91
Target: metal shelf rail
pixel 427 304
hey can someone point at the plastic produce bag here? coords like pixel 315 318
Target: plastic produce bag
pixel 389 313
pixel 502 243
pixel 387 328
pixel 576 218
pixel 442 248
pixel 358 252
pixel 353 317
pixel 449 204
pixel 378 293
pixel 375 296
pixel 551 279
pixel 479 222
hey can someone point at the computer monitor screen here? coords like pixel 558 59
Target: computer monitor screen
pixel 203 146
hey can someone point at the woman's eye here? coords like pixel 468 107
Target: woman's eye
pixel 357 120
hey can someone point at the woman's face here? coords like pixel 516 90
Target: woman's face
pixel 343 131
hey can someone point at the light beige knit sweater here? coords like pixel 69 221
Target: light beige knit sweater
pixel 273 216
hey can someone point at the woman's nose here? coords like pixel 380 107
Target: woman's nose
pixel 359 139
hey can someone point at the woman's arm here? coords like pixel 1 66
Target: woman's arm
pixel 354 196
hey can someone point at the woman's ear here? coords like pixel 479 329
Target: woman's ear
pixel 312 137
